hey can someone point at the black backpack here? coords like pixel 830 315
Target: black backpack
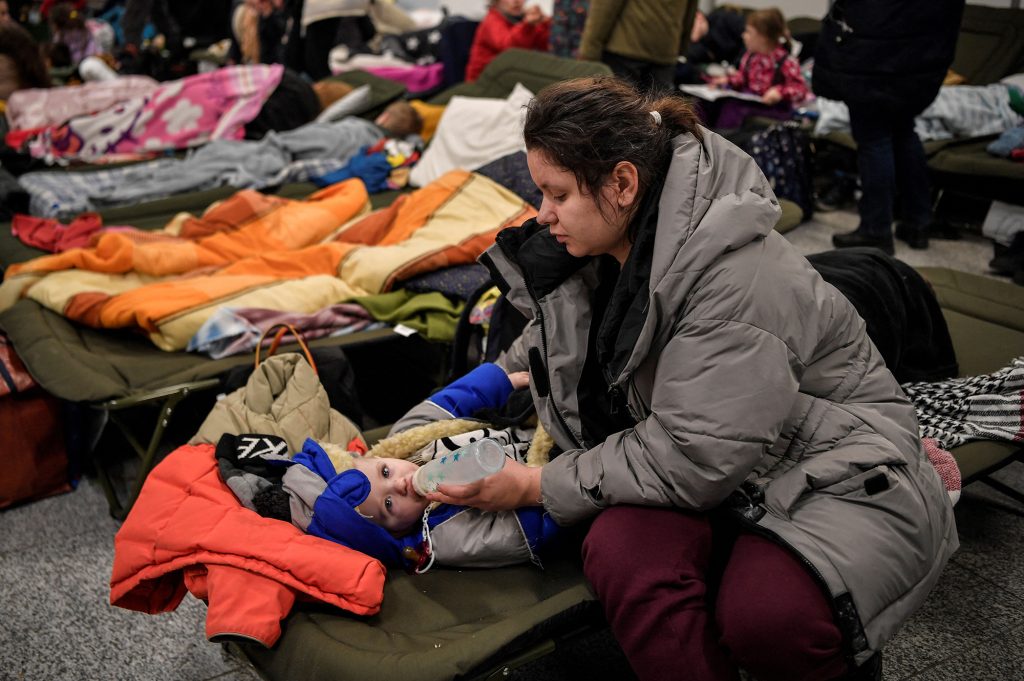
pixel 472 345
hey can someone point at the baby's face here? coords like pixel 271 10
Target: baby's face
pixel 392 503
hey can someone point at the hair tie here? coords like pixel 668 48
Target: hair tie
pixel 656 116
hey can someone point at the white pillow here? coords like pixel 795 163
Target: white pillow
pixel 472 132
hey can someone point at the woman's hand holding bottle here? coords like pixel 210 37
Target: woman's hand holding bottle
pixel 514 486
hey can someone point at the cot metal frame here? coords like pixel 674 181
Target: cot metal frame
pixel 984 476
pixel 166 400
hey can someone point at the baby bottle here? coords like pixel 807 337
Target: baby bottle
pixel 467 464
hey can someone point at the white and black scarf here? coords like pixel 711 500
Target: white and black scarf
pixel 984 407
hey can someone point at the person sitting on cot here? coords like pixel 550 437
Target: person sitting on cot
pixel 750 475
pixel 767 69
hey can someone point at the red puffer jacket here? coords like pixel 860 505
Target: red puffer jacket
pixel 188 531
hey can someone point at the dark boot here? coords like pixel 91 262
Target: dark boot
pixel 1010 259
pixel 913 234
pixel 859 237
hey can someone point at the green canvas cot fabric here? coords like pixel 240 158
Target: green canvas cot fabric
pixel 82 364
pixel 437 626
pixel 843 138
pixel 791 216
pixel 998 302
pixel 982 347
pixel 971 158
pixel 393 372
pixel 382 90
pixel 990 44
pixel 12 250
pixel 533 69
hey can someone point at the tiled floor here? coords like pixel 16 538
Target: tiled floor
pixel 55 559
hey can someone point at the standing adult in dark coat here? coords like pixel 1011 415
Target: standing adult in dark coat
pixel 887 60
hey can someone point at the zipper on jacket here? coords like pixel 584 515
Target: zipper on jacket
pixel 547 367
pixel 614 399
pixel 512 257
pixel 617 399
pixel 751 496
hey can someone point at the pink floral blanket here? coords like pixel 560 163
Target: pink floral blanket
pixel 176 115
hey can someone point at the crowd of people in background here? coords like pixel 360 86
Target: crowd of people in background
pixel 656 45
pixel 642 40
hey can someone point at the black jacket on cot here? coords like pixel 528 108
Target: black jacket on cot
pixel 897 303
pixel 888 55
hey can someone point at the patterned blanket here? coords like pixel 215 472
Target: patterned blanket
pixel 41 107
pixel 176 115
pixel 296 155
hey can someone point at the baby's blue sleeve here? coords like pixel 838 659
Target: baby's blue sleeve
pixel 486 386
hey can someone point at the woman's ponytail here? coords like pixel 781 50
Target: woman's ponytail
pixel 677 116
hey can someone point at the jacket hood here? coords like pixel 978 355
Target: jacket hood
pixel 715 200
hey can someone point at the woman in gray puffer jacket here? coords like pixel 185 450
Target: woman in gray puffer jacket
pixel 761 494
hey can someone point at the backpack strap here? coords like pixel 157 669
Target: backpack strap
pixel 460 357
pixel 778 77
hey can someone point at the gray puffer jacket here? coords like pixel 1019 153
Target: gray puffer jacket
pixel 753 385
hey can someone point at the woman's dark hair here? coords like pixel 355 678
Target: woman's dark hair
pixel 588 125
pixel 21 47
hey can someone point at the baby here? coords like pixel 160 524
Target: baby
pixel 368 503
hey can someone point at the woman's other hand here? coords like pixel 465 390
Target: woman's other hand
pixel 772 95
pixel 718 81
pixel 519 379
pixel 514 486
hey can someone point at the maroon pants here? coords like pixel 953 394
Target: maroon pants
pixel 684 606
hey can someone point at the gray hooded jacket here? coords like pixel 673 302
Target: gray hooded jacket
pixel 753 385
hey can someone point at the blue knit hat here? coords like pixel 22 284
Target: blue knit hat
pixel 336 516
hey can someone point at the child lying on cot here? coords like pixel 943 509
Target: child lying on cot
pixel 367 502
